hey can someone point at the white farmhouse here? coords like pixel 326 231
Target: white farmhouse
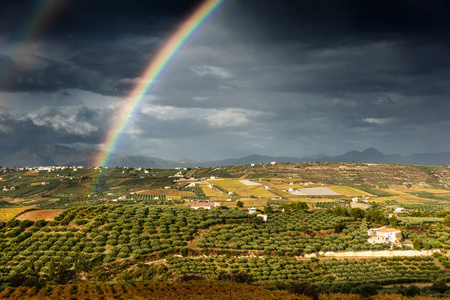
pixel 383 235
pixel 398 209
pixel 251 210
pixel 263 216
pixel 202 205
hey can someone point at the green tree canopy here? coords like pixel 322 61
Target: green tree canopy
pixel 377 217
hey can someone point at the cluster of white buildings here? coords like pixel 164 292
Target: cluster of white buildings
pixel 209 205
pixel 49 168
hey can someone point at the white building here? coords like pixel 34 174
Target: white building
pixel 251 210
pixel 202 205
pixel 383 235
pixel 264 217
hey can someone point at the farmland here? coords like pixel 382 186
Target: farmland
pixel 10 213
pixel 115 227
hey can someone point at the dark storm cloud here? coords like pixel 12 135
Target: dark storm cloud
pixel 91 19
pixel 51 125
pixel 104 46
pixel 271 77
pixel 329 21
pixel 28 73
pixel 170 129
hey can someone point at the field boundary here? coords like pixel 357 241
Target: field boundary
pixel 375 253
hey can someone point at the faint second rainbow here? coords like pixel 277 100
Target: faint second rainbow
pixel 30 27
pixel 151 75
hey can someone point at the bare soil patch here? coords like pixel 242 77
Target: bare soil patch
pixel 42 214
pixel 248 182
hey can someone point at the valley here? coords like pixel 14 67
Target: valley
pixel 276 226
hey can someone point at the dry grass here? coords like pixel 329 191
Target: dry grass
pixel 251 202
pixel 40 214
pixel 285 186
pixel 348 191
pixel 7 214
pixel 243 190
pixel 209 192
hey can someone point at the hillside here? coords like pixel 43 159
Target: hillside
pixel 299 227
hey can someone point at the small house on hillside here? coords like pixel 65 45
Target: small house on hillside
pixel 263 216
pixel 251 210
pixel 383 235
pixel 398 209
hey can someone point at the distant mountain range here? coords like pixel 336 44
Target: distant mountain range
pixel 56 155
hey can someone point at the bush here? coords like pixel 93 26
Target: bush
pixel 25 223
pixel 40 223
pixel 12 223
pixel 417 244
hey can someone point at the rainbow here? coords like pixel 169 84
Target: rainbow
pixel 151 75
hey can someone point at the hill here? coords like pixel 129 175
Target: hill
pixel 57 155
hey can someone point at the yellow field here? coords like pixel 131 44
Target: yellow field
pixel 419 188
pixel 10 213
pixel 312 200
pixel 286 180
pixel 348 191
pixel 394 192
pixel 211 192
pixel 280 193
pixel 243 190
pixel 285 186
pixel 167 192
pixel 31 173
pixel 35 184
pixel 258 203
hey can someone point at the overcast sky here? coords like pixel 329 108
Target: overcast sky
pixel 281 77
